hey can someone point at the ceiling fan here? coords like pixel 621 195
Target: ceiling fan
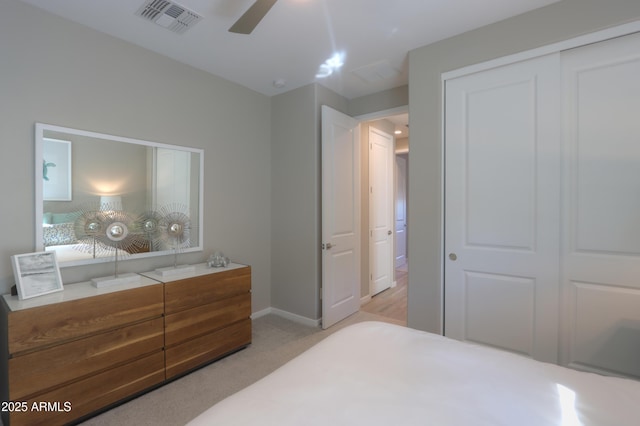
pixel 252 17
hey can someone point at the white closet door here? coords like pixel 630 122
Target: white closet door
pixel 602 211
pixel 502 233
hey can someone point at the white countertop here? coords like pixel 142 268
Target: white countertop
pixel 199 270
pixel 87 289
pixel 73 292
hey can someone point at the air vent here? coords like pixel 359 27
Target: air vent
pixel 169 15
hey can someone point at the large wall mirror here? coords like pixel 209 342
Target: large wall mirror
pixel 82 175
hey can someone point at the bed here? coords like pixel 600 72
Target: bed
pixel 61 238
pixel 375 373
pixel 71 252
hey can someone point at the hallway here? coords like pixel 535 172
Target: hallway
pixel 392 303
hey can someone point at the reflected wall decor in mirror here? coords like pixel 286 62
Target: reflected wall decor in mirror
pixel 80 173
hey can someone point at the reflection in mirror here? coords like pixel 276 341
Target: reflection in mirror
pixel 85 180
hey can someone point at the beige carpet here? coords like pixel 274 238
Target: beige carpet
pixel 275 341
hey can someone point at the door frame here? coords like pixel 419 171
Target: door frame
pixel 404 175
pixel 361 119
pixel 379 115
pixel 583 40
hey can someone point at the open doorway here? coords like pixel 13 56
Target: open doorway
pixel 392 301
pixel 346 282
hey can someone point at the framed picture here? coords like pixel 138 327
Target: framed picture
pixel 36 274
pixel 56 170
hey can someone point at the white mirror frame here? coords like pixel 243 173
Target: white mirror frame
pixel 40 129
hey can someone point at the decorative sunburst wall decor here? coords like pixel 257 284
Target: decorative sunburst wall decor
pixel 175 227
pixel 120 233
pixel 88 227
pixel 149 224
pixel 105 232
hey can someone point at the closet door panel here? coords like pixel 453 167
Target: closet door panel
pixel 601 94
pixel 606 129
pixel 605 328
pixel 500 193
pixel 502 168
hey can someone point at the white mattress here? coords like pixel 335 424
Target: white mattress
pixel 380 374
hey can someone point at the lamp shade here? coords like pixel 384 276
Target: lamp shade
pixel 110 203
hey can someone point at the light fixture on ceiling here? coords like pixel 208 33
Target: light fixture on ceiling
pixel 331 65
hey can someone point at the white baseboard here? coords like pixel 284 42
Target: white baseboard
pixel 367 298
pixel 296 318
pixel 256 315
pixel 287 315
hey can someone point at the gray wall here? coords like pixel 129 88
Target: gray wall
pixel 381 101
pixel 557 22
pixel 58 72
pixel 296 193
pixel 296 198
pixel 262 199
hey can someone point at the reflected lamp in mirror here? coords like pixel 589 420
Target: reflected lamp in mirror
pixel 111 203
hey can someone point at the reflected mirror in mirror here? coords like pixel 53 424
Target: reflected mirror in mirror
pixel 87 180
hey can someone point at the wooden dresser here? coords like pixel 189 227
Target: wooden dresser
pixel 71 354
pixel 207 315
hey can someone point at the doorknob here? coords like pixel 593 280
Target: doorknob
pixel 388 232
pixel 327 246
pixel 453 256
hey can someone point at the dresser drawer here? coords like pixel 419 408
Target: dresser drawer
pixel 205 289
pixel 205 319
pixel 39 371
pixel 93 393
pixel 194 353
pixel 52 324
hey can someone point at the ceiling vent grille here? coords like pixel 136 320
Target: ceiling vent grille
pixel 169 15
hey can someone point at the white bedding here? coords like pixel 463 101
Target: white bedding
pixel 376 373
pixel 70 252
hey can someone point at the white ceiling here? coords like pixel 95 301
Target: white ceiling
pixel 297 36
pixel 401 123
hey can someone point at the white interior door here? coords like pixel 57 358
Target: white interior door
pixel 401 211
pixel 502 170
pixel 381 223
pixel 602 213
pixel 340 216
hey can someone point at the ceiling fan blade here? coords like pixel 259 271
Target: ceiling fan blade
pixel 252 17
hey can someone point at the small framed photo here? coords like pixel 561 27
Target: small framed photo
pixel 36 274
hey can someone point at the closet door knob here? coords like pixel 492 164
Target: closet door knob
pixel 453 256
